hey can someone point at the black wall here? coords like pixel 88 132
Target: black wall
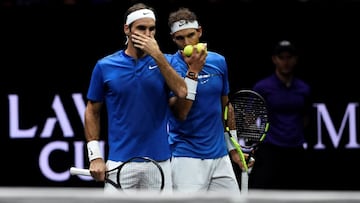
pixel 49 50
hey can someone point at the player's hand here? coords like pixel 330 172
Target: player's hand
pixel 196 60
pixel 97 169
pixel 148 44
pixel 236 158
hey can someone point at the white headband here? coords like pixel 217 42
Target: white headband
pixel 183 24
pixel 142 13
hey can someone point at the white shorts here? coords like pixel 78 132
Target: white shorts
pixel 203 175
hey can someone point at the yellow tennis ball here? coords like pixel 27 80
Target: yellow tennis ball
pixel 188 49
pixel 200 47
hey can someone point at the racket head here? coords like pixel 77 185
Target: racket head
pixel 251 117
pixel 140 173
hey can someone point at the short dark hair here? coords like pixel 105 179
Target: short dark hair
pixel 181 14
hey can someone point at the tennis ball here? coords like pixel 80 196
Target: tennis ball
pixel 200 47
pixel 188 49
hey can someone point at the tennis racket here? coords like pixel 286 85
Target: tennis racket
pixel 247 112
pixel 137 173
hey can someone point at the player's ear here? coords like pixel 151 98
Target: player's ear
pixel 126 30
pixel 199 30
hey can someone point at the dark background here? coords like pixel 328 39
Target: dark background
pixel 49 48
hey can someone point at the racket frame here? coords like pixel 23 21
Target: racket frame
pixel 245 170
pixel 86 172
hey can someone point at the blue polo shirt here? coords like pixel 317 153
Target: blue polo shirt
pixel 286 107
pixel 136 98
pixel 201 135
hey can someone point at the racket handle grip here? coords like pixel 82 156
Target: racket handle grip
pixel 79 171
pixel 244 182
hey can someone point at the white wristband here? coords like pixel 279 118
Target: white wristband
pixel 191 88
pixel 229 144
pixel 93 148
pixel 234 134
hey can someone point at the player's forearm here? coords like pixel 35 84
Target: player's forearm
pixel 92 134
pixel 175 82
pixel 92 124
pixel 180 107
pixel 92 129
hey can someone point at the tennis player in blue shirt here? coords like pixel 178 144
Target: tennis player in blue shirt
pixel 134 86
pixel 281 157
pixel 200 156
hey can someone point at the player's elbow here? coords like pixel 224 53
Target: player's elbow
pixel 181 116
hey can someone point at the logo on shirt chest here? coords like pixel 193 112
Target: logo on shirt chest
pixel 152 67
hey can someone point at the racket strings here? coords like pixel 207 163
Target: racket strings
pixel 142 175
pixel 250 116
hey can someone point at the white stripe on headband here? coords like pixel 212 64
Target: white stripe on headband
pixel 183 24
pixel 142 13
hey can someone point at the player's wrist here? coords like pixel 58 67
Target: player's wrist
pixel 192 75
pixel 233 134
pixel 191 85
pixel 229 144
pixel 93 148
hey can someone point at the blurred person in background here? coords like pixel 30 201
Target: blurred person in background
pixel 281 158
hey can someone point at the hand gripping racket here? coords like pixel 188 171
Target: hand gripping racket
pixel 251 122
pixel 137 173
